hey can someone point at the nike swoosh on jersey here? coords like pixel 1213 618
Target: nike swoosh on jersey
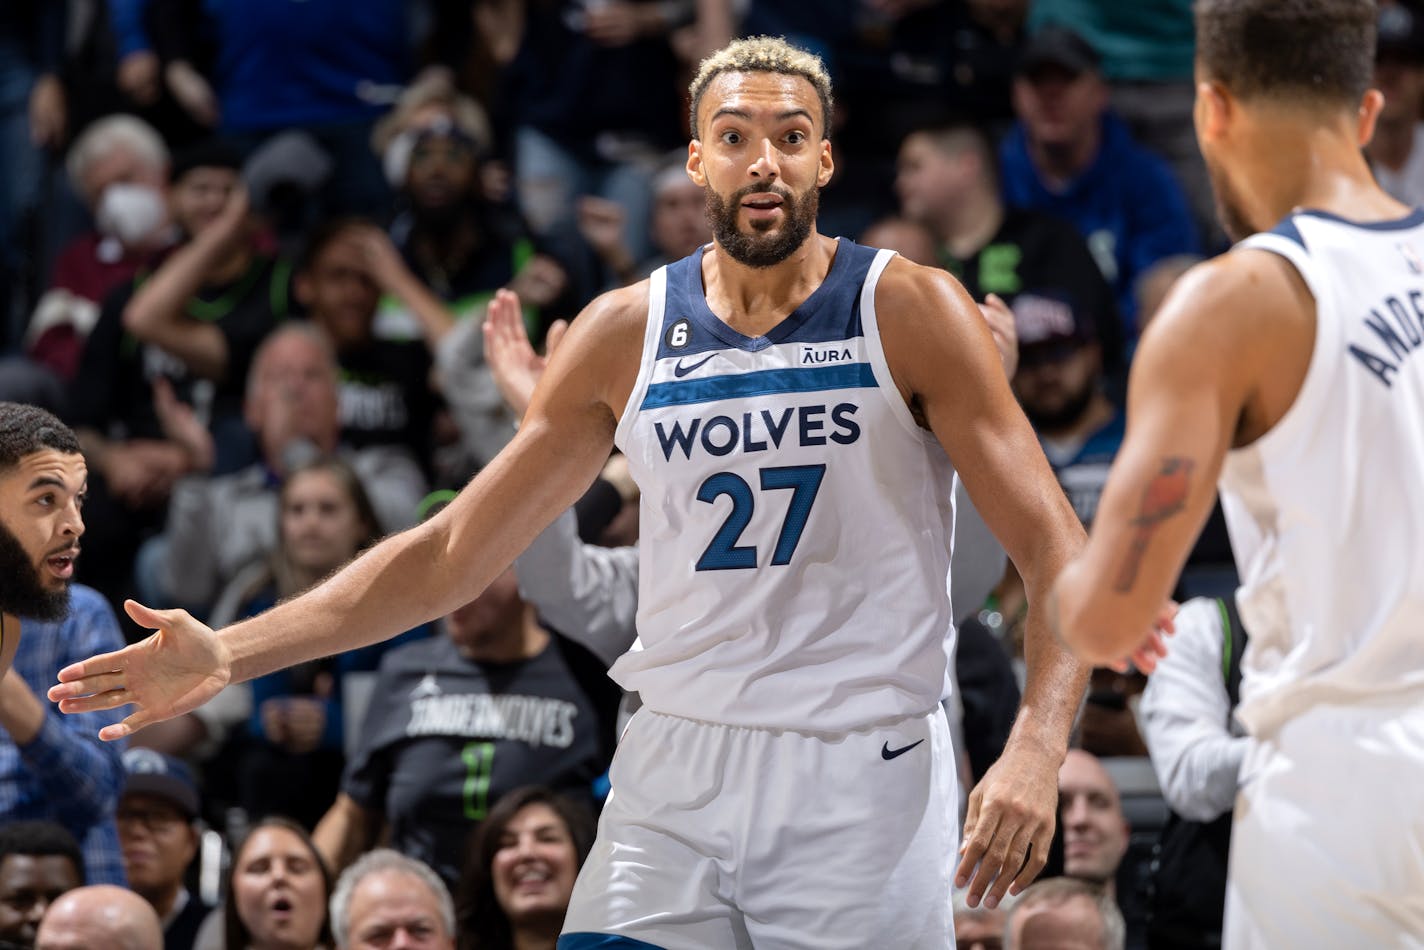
pixel 680 371
pixel 888 753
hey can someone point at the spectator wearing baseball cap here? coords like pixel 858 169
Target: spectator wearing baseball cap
pixel 1061 386
pixel 1070 156
pixel 157 818
pixel 1396 152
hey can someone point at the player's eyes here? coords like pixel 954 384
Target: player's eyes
pixel 731 138
pixel 796 138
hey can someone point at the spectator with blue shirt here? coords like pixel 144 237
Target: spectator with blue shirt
pixel 54 767
pixel 1069 156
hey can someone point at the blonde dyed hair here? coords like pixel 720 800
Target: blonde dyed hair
pixel 763 54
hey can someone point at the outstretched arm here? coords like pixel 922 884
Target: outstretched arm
pixel 944 360
pixel 412 577
pixel 1188 403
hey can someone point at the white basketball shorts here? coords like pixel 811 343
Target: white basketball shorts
pixel 717 836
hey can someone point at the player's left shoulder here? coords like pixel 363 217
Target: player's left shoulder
pixel 1232 311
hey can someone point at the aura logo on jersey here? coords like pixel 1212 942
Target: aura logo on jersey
pixel 761 431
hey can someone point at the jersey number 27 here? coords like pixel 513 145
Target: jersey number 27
pixel 724 553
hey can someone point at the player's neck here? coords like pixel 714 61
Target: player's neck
pixel 971 223
pixel 753 299
pixel 1330 175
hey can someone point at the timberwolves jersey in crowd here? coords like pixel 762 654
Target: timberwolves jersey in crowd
pixel 1327 492
pixel 802 518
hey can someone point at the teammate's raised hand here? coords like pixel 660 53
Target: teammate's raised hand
pixel 169 673
pixel 515 365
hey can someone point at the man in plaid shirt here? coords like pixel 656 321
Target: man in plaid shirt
pixel 54 766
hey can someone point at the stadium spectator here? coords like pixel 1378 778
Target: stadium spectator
pixel 385 394
pixel 947 179
pixel 678 225
pixel 1096 832
pixel 119 168
pixel 39 861
pixel 456 721
pixel 53 766
pixel 290 759
pixel 1197 750
pixel 387 900
pixel 100 915
pixel 520 871
pixel 219 524
pixel 277 893
pixel 158 828
pixel 1069 156
pixel 1064 913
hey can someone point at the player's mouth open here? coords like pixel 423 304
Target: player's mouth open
pixel 62 565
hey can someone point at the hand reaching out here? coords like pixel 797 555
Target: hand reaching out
pixel 171 672
pixel 509 354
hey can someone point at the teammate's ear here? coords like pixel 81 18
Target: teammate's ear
pixel 694 163
pixel 1370 107
pixel 1213 112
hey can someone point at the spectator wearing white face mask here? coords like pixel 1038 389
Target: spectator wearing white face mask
pixel 119 167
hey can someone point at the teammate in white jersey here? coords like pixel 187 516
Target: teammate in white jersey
pixel 788 402
pixel 1289 369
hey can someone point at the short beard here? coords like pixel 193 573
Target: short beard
pixel 1051 422
pixel 23 593
pixel 757 249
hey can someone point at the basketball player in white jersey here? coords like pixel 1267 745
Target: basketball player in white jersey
pixel 786 402
pixel 1289 373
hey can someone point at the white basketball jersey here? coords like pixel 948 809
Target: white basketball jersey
pixel 1326 511
pixel 795 519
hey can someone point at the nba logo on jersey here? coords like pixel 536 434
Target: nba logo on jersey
pixel 1411 257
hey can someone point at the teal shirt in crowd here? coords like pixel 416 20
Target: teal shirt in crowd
pixel 1141 41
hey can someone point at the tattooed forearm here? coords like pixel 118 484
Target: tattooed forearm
pixel 1164 496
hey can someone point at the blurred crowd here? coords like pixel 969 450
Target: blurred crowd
pixel 245 252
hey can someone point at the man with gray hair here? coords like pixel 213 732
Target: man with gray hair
pixel 388 900
pixel 118 167
pixel 102 915
pixel 1064 913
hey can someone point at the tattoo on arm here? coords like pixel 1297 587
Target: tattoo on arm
pixel 1164 496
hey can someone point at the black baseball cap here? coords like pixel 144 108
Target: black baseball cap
pixel 1057 46
pixel 153 773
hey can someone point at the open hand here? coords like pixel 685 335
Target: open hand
pixel 1006 335
pixel 1009 825
pixel 509 354
pixel 169 673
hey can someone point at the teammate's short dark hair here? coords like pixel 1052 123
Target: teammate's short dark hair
pixel 26 429
pixel 41 839
pixel 1308 51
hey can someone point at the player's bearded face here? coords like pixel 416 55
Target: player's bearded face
pixel 23 591
pixel 765 242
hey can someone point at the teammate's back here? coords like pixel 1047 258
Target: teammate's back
pixel 1325 511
